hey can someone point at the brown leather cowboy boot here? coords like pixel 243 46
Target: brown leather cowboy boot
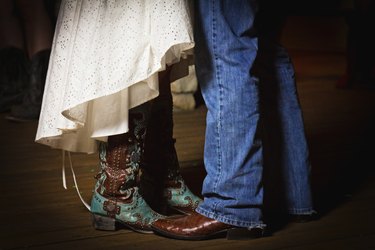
pixel 162 184
pixel 116 200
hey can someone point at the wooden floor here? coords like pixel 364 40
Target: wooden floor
pixel 37 213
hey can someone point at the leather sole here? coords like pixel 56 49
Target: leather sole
pixel 230 233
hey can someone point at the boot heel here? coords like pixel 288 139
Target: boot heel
pixel 100 222
pixel 244 233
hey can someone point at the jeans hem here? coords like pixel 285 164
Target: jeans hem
pixel 236 223
pixel 301 211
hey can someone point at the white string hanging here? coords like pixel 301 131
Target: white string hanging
pixel 74 178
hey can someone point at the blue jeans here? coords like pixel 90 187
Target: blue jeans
pixel 226 48
pixel 286 163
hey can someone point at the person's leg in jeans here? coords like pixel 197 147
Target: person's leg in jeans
pixel 226 47
pixel 286 154
pixel 225 51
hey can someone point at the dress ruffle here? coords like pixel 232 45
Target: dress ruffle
pixel 105 60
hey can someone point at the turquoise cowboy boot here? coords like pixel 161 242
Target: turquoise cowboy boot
pixel 116 200
pixel 176 192
pixel 162 183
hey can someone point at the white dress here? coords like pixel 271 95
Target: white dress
pixel 105 59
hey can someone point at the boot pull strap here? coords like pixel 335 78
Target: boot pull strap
pixel 74 178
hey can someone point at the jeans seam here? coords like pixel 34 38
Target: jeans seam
pixel 218 125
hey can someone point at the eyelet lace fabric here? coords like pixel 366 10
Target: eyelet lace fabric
pixel 105 59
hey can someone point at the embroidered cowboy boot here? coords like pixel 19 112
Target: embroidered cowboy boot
pixel 30 107
pixel 116 200
pixel 14 76
pixel 162 182
pixel 176 192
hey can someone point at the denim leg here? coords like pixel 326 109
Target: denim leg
pixel 286 164
pixel 226 47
